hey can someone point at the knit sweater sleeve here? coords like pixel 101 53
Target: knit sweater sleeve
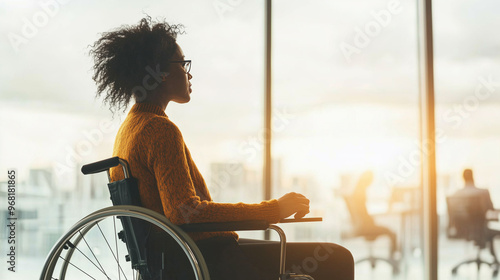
pixel 167 159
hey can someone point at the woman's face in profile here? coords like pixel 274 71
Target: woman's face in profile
pixel 177 84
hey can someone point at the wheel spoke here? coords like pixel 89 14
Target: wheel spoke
pixel 83 254
pixel 91 251
pixel 116 245
pixel 76 268
pixel 111 250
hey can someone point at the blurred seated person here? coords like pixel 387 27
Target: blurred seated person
pixel 470 190
pixel 363 223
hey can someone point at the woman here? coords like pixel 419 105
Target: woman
pixel 144 62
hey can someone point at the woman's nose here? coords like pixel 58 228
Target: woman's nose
pixel 190 76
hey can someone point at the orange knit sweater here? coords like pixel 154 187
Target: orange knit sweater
pixel 169 181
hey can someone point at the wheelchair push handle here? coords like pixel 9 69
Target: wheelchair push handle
pixel 105 165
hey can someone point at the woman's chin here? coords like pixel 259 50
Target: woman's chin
pixel 185 99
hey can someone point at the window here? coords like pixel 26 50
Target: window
pixel 345 89
pixel 466 74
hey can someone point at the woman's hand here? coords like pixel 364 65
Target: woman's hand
pixel 292 203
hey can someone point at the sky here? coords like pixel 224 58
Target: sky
pixel 59 48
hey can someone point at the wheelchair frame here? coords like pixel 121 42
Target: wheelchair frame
pixel 127 211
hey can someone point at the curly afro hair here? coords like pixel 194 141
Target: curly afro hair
pixel 122 57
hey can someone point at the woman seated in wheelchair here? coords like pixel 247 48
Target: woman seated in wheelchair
pixel 143 62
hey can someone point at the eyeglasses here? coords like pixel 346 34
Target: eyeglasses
pixel 185 63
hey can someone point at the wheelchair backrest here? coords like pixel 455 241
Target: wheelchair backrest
pixel 125 192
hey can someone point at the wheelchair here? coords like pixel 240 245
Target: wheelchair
pixel 98 246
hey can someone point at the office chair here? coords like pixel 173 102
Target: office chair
pixel 364 226
pixel 90 249
pixel 467 220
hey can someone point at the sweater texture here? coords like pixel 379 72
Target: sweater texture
pixel 169 181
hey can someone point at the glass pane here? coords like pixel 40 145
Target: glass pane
pixel 52 124
pixel 467 86
pixel 345 85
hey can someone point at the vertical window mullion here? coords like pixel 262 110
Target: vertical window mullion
pixel 428 171
pixel 267 106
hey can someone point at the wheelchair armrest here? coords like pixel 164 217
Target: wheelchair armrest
pixel 100 166
pixel 301 220
pixel 226 226
pixel 240 225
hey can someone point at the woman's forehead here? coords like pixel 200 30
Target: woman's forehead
pixel 179 53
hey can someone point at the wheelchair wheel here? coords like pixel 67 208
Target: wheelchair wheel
pixel 91 249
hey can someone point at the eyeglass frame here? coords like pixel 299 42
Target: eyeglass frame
pixel 188 62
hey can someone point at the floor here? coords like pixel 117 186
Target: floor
pixel 451 252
